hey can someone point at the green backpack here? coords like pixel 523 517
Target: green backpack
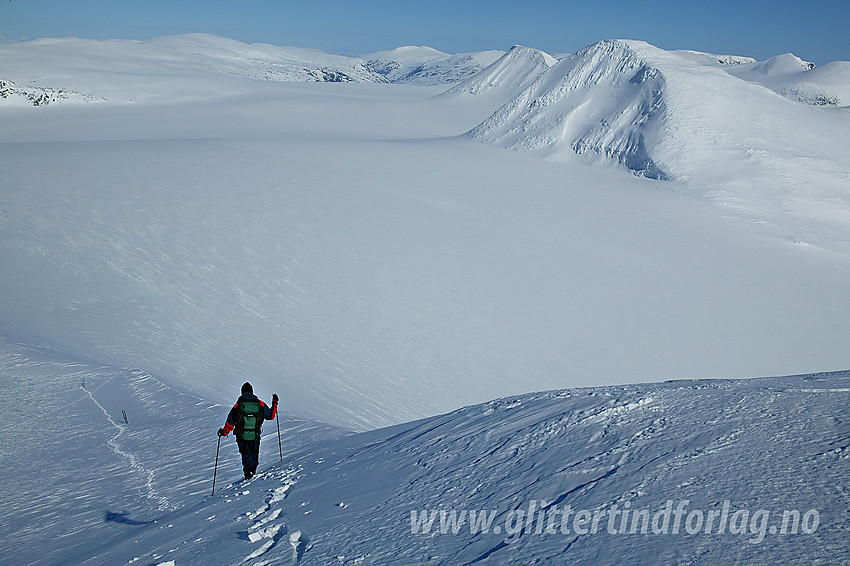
pixel 249 419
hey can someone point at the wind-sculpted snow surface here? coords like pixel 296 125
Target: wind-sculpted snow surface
pixel 712 471
pixel 757 448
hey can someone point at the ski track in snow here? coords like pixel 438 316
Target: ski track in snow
pixel 148 474
pixel 88 480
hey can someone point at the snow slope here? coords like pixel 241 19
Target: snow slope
pixel 138 493
pixel 764 444
pixel 374 295
pixel 79 476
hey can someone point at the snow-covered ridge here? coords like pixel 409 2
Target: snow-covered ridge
pixel 602 102
pixel 398 64
pixel 509 75
pixel 765 444
pixel 134 70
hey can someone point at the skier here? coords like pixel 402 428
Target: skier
pixel 247 417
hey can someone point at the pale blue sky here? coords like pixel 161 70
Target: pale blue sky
pixel 815 30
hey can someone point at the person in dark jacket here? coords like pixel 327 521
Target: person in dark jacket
pixel 246 419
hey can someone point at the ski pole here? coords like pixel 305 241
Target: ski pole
pixel 216 465
pixel 279 447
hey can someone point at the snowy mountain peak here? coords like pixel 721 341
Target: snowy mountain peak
pixel 409 53
pixel 601 102
pixel 782 65
pixel 519 51
pixel 510 74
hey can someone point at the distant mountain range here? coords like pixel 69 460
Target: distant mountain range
pixel 50 70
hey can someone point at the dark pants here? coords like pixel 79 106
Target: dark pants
pixel 250 450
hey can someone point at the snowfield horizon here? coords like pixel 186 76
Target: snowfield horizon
pixel 469 277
